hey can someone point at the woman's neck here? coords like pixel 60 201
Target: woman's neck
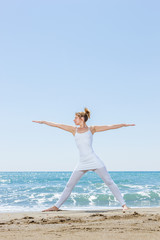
pixel 83 126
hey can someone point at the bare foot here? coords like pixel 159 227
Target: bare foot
pixel 125 208
pixel 54 208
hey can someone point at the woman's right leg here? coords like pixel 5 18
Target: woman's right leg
pixel 75 177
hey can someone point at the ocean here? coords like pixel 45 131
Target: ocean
pixel 35 191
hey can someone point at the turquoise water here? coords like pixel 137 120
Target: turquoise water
pixel 35 191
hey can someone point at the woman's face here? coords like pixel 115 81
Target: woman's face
pixel 77 120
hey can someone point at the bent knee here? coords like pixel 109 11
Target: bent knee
pixel 69 185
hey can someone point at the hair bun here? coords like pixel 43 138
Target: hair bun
pixel 87 112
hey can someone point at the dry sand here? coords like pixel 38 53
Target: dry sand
pixel 136 224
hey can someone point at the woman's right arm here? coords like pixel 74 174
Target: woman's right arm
pixel 62 126
pixel 52 124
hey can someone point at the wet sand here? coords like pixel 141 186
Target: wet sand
pixel 135 224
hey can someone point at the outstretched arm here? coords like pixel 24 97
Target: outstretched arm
pixel 59 125
pixel 108 127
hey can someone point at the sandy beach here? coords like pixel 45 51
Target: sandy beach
pixel 137 223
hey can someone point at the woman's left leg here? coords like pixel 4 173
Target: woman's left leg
pixel 103 173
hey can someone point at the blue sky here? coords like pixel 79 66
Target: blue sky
pixel 58 57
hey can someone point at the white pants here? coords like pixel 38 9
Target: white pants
pixel 77 174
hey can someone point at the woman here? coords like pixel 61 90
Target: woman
pixel 89 161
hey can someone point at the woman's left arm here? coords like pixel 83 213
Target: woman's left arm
pixel 108 127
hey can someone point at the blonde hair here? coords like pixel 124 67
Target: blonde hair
pixel 86 114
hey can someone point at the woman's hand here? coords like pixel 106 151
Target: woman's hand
pixel 38 121
pixel 126 125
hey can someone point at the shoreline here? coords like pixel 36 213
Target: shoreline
pixel 96 208
pixel 136 223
